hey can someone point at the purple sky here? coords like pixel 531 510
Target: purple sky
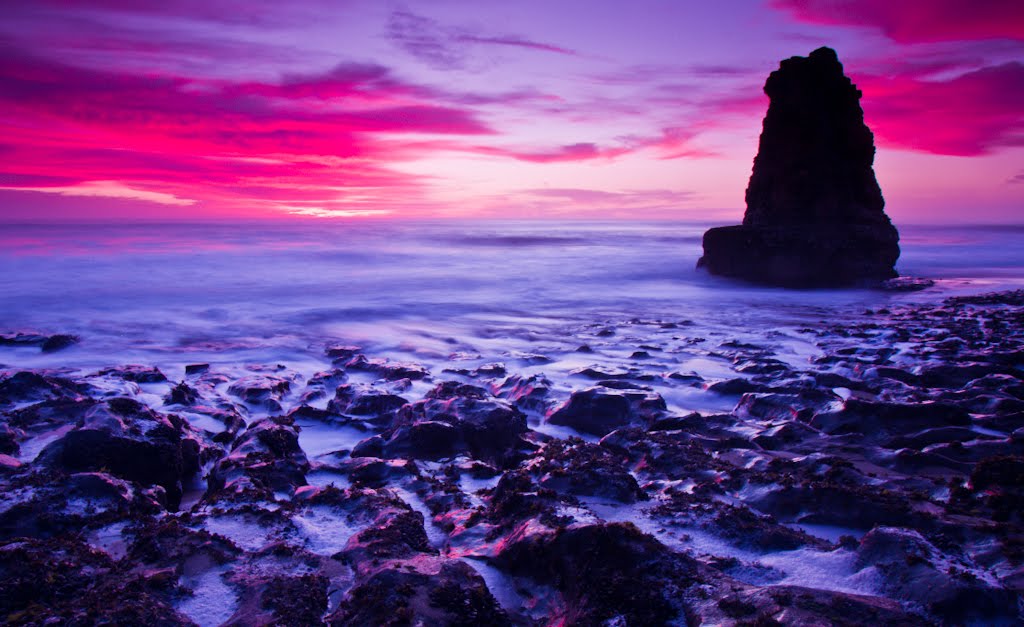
pixel 647 109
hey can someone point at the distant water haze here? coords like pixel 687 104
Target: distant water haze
pixel 170 294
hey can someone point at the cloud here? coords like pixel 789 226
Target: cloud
pixel 167 138
pixel 548 202
pixel 517 42
pixel 445 47
pixel 109 189
pixel 917 21
pixel 584 151
pixel 971 114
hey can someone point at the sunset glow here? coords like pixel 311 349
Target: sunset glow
pixel 194 110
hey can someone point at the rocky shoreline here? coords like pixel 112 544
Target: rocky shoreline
pixel 881 480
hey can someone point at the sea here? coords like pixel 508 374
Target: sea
pixel 429 291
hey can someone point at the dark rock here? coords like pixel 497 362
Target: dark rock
pixel 527 393
pixel 129 441
pixel 59 342
pixel 134 373
pixel 814 213
pixel 363 400
pixel 795 605
pixel 774 406
pixel 265 390
pixel 390 370
pixel 370 447
pixel 300 600
pixel 265 459
pixel 906 284
pixel 600 410
pixel 31 386
pixel 427 439
pixel 446 423
pixel 423 591
pixel 48 344
pixel 877 419
pixel 181 394
pixel 9 439
pixel 191 369
pixel 22 339
pixel 342 352
pixel 952 589
pixel 583 469
pixel 641 582
pixel 62 581
pixel 735 387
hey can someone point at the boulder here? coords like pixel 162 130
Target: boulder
pixel 815 213
pixel 132 442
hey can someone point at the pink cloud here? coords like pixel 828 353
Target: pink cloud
pixel 211 139
pixel 971 114
pixel 914 21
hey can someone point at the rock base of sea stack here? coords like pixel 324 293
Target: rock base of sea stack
pixel 802 257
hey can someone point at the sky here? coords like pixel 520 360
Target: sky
pixel 648 109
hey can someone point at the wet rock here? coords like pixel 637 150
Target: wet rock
pixel 393 535
pixel 527 393
pixel 735 387
pixel 600 410
pixel 46 343
pixel 265 459
pixel 193 369
pixel 9 439
pixel 774 406
pixel 131 442
pixel 951 589
pixel 28 386
pixel 181 394
pixel 264 390
pixel 876 419
pixel 375 472
pixel 424 591
pixel 906 284
pixel 583 469
pixel 363 400
pixel 59 342
pixel 134 373
pixel 63 581
pixel 22 339
pixel 954 376
pixel 46 505
pixel 796 605
pixel 999 482
pixel 815 213
pixel 841 503
pixel 641 582
pixel 454 418
pixel 785 436
pixel 392 371
pixel 342 352
pixel 282 600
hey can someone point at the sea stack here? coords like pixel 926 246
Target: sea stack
pixel 815 213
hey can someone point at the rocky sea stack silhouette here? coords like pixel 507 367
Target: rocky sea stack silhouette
pixel 815 213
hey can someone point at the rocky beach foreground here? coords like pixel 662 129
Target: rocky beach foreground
pixel 631 472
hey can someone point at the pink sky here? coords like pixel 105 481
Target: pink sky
pixel 449 108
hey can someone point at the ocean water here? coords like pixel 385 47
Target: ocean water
pixel 171 294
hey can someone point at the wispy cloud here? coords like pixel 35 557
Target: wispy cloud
pixel 445 47
pixel 915 21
